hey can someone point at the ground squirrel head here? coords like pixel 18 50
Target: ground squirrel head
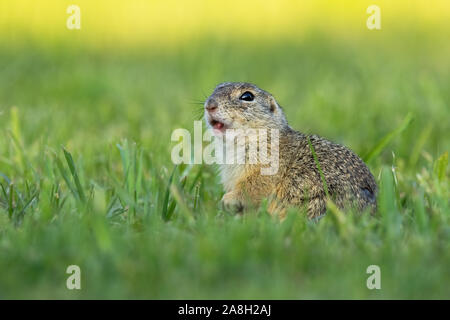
pixel 240 105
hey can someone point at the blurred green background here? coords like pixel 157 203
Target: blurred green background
pixel 111 94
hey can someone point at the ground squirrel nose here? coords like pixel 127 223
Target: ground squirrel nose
pixel 211 105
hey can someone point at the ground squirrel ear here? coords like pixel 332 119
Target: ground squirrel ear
pixel 273 104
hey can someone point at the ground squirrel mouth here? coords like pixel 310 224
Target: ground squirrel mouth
pixel 217 125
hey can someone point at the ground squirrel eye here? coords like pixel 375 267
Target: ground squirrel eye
pixel 247 96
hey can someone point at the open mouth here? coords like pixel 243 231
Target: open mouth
pixel 217 124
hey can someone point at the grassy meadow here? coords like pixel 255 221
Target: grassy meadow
pixel 86 177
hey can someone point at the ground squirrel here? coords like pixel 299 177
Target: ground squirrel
pixel 298 181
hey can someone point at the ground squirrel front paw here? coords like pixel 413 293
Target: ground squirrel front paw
pixel 231 203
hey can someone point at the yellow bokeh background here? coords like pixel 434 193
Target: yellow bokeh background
pixel 137 22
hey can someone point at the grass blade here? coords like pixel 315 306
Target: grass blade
pixel 165 211
pixel 316 160
pixel 11 201
pixel 63 173
pixel 440 166
pixel 379 147
pixel 76 179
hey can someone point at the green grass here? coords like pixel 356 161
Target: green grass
pixel 86 176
